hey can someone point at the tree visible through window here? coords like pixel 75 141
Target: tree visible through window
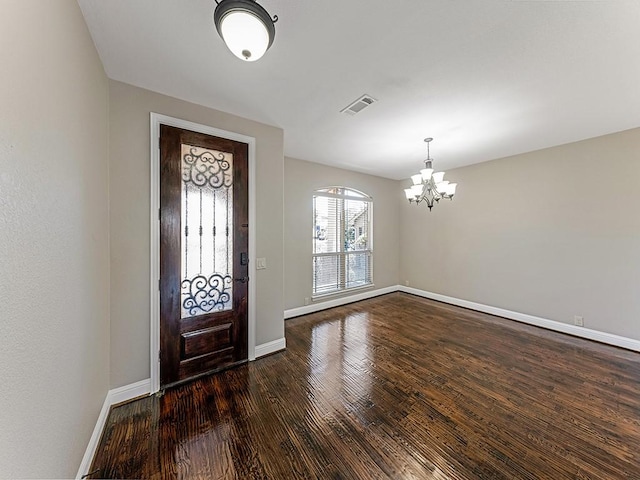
pixel 342 234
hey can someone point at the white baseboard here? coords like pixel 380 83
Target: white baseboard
pixel 270 347
pixel 318 306
pixel 114 396
pixel 92 446
pixel 598 336
pixel 129 392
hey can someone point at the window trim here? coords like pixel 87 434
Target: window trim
pixel 361 196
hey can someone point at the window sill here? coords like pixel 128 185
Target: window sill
pixel 341 293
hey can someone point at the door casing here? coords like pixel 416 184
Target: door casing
pixel 156 120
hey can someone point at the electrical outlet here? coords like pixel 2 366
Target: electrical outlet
pixel 406 283
pixel 578 321
pixel 307 300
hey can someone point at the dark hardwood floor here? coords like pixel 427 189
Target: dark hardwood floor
pixel 394 387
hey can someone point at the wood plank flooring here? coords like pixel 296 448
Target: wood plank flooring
pixel 394 387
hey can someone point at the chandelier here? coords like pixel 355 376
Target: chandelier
pixel 429 187
pixel 246 28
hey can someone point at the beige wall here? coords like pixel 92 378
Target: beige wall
pixel 54 251
pixel 301 179
pixel 129 215
pixel 552 233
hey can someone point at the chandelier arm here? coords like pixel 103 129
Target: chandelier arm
pixel 437 194
pixel 428 196
pixel 424 193
pixel 434 189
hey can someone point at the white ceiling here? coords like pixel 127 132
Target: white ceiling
pixel 485 78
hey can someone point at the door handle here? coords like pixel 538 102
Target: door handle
pixel 241 280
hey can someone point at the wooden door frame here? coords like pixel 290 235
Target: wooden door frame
pixel 156 120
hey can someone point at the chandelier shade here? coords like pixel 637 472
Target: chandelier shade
pixel 426 173
pixel 429 186
pixel 246 28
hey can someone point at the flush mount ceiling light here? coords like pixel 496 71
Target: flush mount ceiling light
pixel 246 28
pixel 429 187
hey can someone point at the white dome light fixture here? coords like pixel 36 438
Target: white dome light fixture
pixel 246 28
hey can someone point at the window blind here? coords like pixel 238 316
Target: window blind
pixel 342 246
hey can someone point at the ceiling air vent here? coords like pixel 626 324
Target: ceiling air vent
pixel 359 105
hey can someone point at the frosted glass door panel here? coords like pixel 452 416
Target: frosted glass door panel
pixel 207 231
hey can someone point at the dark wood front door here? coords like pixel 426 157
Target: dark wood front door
pixel 203 253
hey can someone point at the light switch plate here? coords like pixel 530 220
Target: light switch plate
pixel 261 263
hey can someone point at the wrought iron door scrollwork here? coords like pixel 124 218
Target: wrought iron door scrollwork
pixel 206 168
pixel 206 294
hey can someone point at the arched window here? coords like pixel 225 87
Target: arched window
pixel 342 240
